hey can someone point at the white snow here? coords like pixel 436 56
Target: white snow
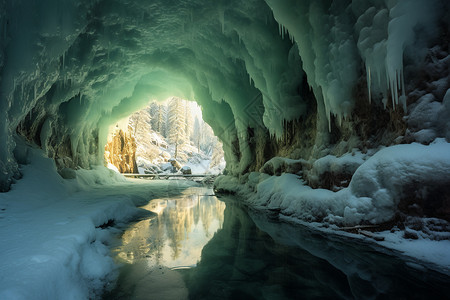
pixel 432 251
pixel 52 245
pixel 374 192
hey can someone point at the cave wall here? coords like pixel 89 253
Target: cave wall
pixel 299 79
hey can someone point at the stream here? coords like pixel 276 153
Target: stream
pixel 198 246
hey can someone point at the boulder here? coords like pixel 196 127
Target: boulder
pixel 186 170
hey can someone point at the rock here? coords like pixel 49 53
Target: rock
pixel 175 164
pixel 120 151
pixel 186 170
pixel 67 173
pixel 279 165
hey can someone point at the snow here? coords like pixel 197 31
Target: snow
pixel 431 251
pixel 198 167
pixel 52 245
pixel 374 191
pixel 376 188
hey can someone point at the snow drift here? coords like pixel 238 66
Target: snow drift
pixel 375 191
pixel 55 232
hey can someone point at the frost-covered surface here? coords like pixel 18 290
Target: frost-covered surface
pixel 52 245
pixel 375 191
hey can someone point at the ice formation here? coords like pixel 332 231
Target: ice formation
pixel 71 69
pixel 296 79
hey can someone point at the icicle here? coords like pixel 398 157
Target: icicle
pixel 279 28
pixel 63 60
pixel 403 97
pixel 368 75
pixel 282 32
pixel 379 77
pixel 402 82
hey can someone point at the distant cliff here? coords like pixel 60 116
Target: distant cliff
pixel 120 151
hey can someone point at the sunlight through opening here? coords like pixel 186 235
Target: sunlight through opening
pixel 164 138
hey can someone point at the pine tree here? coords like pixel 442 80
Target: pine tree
pixel 140 122
pixel 176 123
pixel 154 112
pixel 188 120
pixel 162 120
pixel 197 133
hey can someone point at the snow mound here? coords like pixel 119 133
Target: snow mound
pixel 54 234
pixel 375 191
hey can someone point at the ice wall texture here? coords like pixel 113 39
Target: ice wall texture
pixel 71 68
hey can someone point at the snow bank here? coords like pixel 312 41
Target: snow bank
pixel 373 195
pixel 54 244
pixel 348 163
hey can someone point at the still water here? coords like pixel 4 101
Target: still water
pixel 197 246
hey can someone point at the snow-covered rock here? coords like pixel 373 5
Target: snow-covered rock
pixel 186 170
pixel 378 189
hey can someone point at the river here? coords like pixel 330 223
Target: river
pixel 198 246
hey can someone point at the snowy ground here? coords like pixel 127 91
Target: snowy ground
pixel 53 238
pixel 199 164
pixel 371 198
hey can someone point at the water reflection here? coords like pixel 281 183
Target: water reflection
pixel 176 235
pixel 198 248
pixel 153 251
pixel 253 257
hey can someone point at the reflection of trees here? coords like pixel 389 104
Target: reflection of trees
pixel 184 213
pixel 175 220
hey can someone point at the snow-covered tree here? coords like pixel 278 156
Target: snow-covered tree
pixel 188 120
pixel 197 133
pixel 176 123
pixel 141 122
pixel 154 112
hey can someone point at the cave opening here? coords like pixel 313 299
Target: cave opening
pixel 163 137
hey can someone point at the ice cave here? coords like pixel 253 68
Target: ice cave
pixel 334 121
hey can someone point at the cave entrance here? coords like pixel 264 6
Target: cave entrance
pixel 164 137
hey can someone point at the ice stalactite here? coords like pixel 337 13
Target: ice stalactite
pixel 90 64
